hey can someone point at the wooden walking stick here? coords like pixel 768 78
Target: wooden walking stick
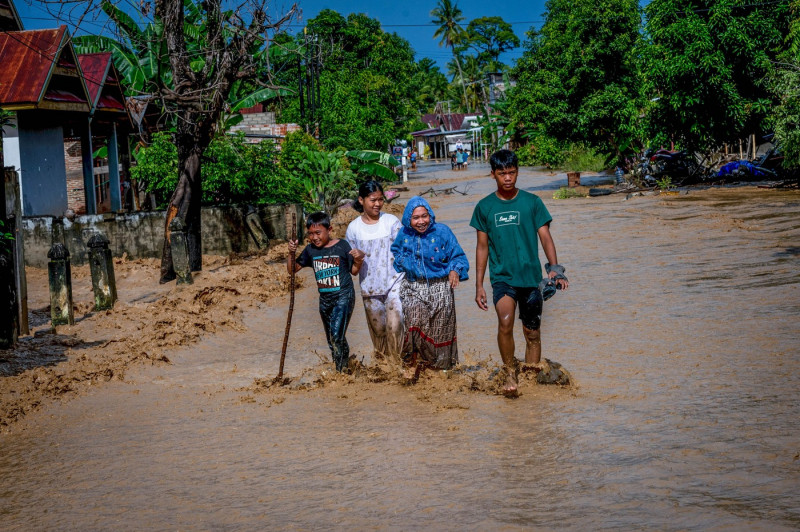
pixel 293 236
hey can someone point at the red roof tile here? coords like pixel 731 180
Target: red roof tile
pixel 26 61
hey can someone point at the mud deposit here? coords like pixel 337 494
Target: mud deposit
pixel 679 331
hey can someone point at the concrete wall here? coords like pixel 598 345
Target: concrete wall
pixel 141 234
pixel 43 171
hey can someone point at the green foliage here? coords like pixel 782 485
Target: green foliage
pixel 157 167
pixel 541 150
pixel 579 157
pixel 786 115
pixel 5 237
pixel 234 172
pixel 369 163
pixel 366 98
pixel 576 80
pixel 705 64
pixel 448 18
pixel 490 37
pixel 665 183
pixel 566 193
pixel 239 172
pixel 325 179
pixel 292 153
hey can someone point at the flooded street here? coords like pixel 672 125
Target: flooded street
pixel 680 329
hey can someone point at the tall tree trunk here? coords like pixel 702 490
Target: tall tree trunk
pixel 185 202
pixel 461 76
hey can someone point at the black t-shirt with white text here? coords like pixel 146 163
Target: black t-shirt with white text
pixel 331 267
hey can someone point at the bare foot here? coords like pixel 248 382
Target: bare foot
pixel 411 373
pixel 510 387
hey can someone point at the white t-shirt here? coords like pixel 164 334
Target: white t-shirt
pixel 377 275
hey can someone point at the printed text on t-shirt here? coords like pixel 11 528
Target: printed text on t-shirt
pixel 506 218
pixel 326 271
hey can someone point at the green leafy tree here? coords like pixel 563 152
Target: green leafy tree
pixel 428 86
pixel 448 17
pixel 785 86
pixel 241 172
pixel 490 37
pixel 366 98
pixel 705 65
pixel 577 80
pixel 209 59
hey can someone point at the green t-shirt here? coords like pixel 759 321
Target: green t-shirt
pixel 512 227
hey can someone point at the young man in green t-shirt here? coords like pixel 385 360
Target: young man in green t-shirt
pixel 510 224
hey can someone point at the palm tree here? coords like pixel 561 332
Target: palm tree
pixel 448 17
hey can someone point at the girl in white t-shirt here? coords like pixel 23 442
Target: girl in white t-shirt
pixel 373 233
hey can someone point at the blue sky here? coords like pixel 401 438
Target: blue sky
pixel 410 19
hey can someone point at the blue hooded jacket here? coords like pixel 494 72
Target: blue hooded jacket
pixel 430 255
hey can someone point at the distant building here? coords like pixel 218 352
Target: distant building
pixel 446 132
pixel 499 83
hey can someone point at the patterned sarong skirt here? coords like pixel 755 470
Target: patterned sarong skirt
pixel 429 312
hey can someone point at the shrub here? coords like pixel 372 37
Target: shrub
pixel 541 150
pixel 233 171
pixel 566 193
pixel 156 167
pixel 579 157
pixel 240 172
pixel 291 154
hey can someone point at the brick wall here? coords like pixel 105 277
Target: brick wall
pixel 76 197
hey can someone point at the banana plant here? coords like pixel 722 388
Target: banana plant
pixel 142 59
pixel 371 162
pixel 325 179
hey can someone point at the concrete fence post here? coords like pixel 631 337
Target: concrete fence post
pixel 59 276
pixel 180 251
pixel 104 283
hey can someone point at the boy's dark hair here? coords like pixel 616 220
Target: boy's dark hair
pixel 318 218
pixel 365 189
pixel 502 159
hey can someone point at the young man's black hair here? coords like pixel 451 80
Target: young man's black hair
pixel 318 218
pixel 503 159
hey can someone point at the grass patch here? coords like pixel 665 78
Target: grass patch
pixel 566 193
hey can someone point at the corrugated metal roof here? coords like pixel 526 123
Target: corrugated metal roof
pixel 94 68
pixel 451 121
pixel 26 62
pixel 102 81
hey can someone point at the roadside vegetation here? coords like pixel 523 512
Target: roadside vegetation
pixel 597 83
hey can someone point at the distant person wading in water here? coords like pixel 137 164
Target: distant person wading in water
pixel 373 233
pixel 510 223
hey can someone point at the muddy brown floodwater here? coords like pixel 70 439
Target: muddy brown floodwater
pixel 680 329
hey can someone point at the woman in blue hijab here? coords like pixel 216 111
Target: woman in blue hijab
pixel 434 263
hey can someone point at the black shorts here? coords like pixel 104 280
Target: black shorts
pixel 529 301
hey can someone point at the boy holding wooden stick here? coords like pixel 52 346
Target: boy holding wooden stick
pixel 333 262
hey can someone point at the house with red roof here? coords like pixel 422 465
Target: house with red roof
pixel 42 82
pixel 446 133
